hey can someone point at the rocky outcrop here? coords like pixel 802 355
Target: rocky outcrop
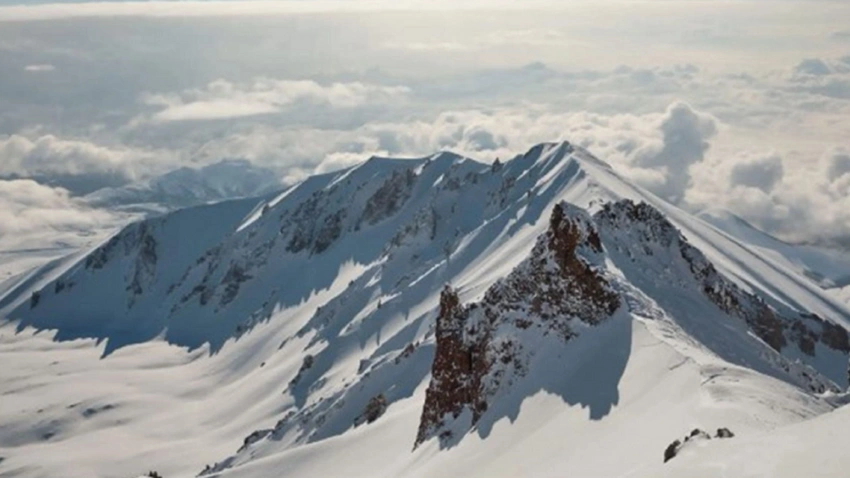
pixel 479 348
pixel 376 407
pixel 314 225
pixel 460 363
pixel 306 365
pixel 144 269
pixel 696 435
pixel 389 197
pixel 135 240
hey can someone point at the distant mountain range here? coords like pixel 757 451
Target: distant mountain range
pixel 186 187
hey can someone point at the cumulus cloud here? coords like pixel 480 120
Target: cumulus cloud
pixel 685 135
pixel 222 99
pixel 32 215
pixel 838 163
pixel 802 200
pixel 825 77
pixel 813 66
pixel 78 164
pixel 758 171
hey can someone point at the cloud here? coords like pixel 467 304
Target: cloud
pixel 80 165
pixel 33 215
pixel 841 35
pixel 692 117
pixel 793 198
pixel 684 142
pixel 838 163
pixel 490 40
pixel 222 99
pixel 39 67
pixel 812 66
pixel 761 172
pixel 830 78
pixel 836 166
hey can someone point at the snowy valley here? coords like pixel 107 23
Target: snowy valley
pixel 433 316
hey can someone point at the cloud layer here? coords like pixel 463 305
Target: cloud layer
pixel 732 115
pixel 222 99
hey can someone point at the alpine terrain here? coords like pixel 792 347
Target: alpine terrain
pixel 430 317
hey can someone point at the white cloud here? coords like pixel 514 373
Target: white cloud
pixel 758 171
pixel 213 110
pixel 837 162
pixel 685 135
pixel 39 67
pixel 796 200
pixel 222 99
pixel 499 39
pixel 83 163
pixel 31 212
pixel 813 66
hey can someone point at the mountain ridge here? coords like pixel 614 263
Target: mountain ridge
pixel 324 305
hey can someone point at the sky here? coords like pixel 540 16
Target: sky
pixel 730 105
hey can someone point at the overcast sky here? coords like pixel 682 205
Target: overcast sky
pixel 739 105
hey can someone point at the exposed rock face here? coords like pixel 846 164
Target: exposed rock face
pixel 313 229
pixel 136 239
pixel 696 435
pixel 479 347
pixel 146 262
pixel 389 197
pixel 459 365
pixel 254 437
pixel 315 225
pixel 305 366
pixel 671 450
pixel 374 409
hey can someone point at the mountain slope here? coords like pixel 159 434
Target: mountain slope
pixel 583 313
pixel 827 267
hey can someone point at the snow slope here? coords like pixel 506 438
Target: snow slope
pixel 309 321
pixel 830 268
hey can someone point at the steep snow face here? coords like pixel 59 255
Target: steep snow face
pixel 810 448
pixel 576 321
pixel 828 268
pixel 117 291
pixel 185 187
pixel 656 259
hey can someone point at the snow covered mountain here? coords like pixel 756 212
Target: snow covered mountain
pixel 419 317
pixel 828 267
pixel 185 187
